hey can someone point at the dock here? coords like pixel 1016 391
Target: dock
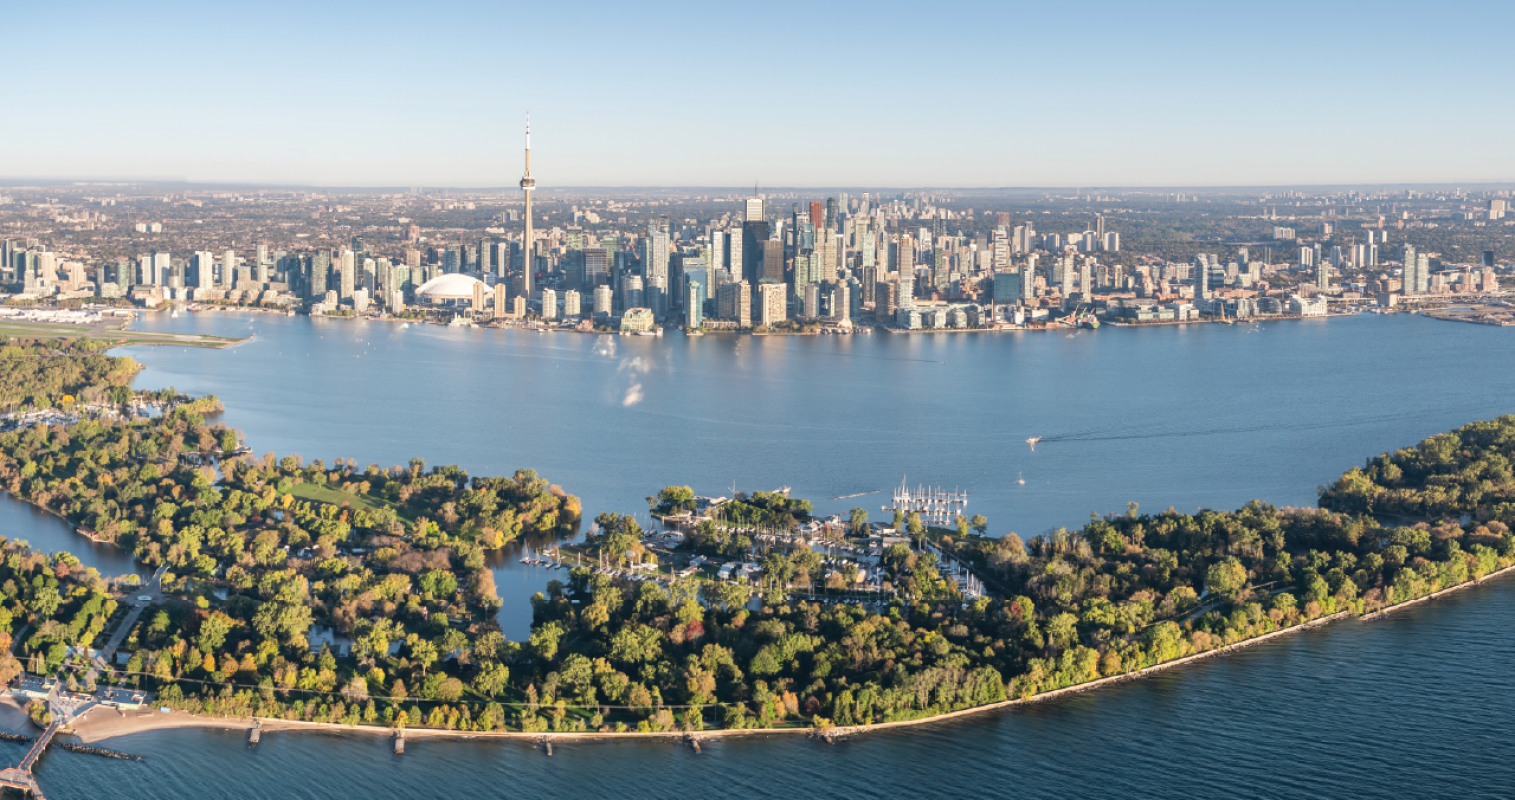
pixel 400 743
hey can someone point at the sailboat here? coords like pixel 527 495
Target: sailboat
pixel 1020 479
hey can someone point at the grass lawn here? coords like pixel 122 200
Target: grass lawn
pixel 326 494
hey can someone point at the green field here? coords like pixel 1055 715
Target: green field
pixel 326 494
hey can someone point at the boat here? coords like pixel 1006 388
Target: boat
pixel 1020 479
pixel 1032 441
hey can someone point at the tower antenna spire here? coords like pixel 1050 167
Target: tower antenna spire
pixel 528 259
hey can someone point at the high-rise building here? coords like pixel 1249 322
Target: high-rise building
pixel 716 257
pixel 694 301
pixel 1201 279
pixel 320 270
pixel 1410 280
pixel 817 214
pixel 528 240
pixel 754 211
pixel 772 306
pixel 549 304
pixel 773 261
pixel 346 275
pixel 810 297
pixel 734 302
pixel 754 235
pixel 655 255
pixel 603 300
pixel 204 265
pixel 571 304
pixel 1323 276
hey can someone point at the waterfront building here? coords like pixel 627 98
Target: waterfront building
pixel 734 302
pixel 570 304
pixel 603 300
pixel 454 291
pixel 772 305
pixel 636 320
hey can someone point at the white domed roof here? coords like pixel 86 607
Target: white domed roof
pixel 450 286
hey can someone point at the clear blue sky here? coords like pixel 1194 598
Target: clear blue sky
pixel 786 93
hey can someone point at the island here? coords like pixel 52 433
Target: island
pixel 302 594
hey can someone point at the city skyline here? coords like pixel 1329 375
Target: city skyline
pixel 1169 95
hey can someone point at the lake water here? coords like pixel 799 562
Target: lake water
pixel 1192 416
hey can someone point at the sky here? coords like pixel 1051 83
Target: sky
pixel 669 93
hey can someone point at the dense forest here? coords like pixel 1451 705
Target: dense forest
pixel 56 372
pixel 258 550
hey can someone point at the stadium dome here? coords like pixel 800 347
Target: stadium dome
pixel 452 286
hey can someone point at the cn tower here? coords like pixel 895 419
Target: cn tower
pixel 527 184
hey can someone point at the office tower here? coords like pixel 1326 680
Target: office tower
pixel 773 261
pixel 528 240
pixel 810 297
pixel 694 274
pixel 603 300
pixel 841 305
pixel 754 235
pixel 772 307
pixel 734 244
pixel 717 254
pixel 262 254
pixel 1099 227
pixel 570 303
pixel 1488 259
pixel 1422 273
pixel 1410 281
pixel 1112 242
pixel 754 210
pixel 817 214
pixel 831 213
pixel 631 292
pixel 941 268
pixel 905 258
pixel 655 254
pixel 734 301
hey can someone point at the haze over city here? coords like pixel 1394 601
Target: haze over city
pixel 961 94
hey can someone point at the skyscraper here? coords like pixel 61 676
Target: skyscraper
pixel 527 250
pixel 1410 281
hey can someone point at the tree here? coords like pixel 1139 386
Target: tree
pixel 858 518
pixel 1226 578
pixel 356 691
pixel 491 679
pixel 980 524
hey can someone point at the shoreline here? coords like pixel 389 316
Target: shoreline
pixel 102 726
pixel 92 729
